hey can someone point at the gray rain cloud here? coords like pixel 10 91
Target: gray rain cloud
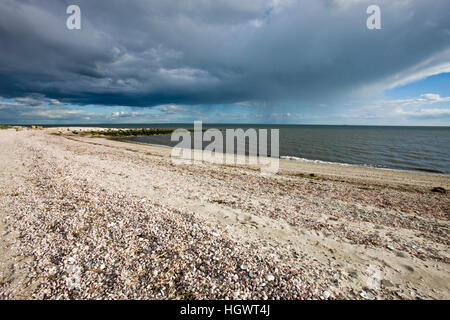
pixel 148 53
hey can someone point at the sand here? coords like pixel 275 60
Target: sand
pixel 86 218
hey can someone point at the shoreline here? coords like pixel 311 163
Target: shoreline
pixel 282 158
pixel 304 160
pixel 81 211
pixel 373 174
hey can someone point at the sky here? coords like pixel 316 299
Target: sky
pixel 225 61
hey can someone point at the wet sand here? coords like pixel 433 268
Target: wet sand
pixel 85 218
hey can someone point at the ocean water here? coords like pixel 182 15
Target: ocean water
pixel 424 149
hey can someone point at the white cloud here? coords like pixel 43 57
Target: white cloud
pixel 399 110
pixel 172 109
pixel 124 114
pixel 434 65
pixel 424 99
pixel 35 100
pixel 54 113
pixel 425 112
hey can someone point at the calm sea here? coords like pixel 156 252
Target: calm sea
pixel 409 148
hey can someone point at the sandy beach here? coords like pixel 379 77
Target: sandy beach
pixel 86 217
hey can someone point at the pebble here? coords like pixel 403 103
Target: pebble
pixel 387 283
pixel 270 277
pixel 364 294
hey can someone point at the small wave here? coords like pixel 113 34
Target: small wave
pixel 317 161
pixel 407 169
pixel 430 170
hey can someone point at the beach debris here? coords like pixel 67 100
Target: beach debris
pixel 439 190
pixel 409 268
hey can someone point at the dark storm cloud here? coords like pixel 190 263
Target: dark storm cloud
pixel 146 53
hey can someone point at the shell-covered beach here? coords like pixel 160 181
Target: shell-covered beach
pixel 86 217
